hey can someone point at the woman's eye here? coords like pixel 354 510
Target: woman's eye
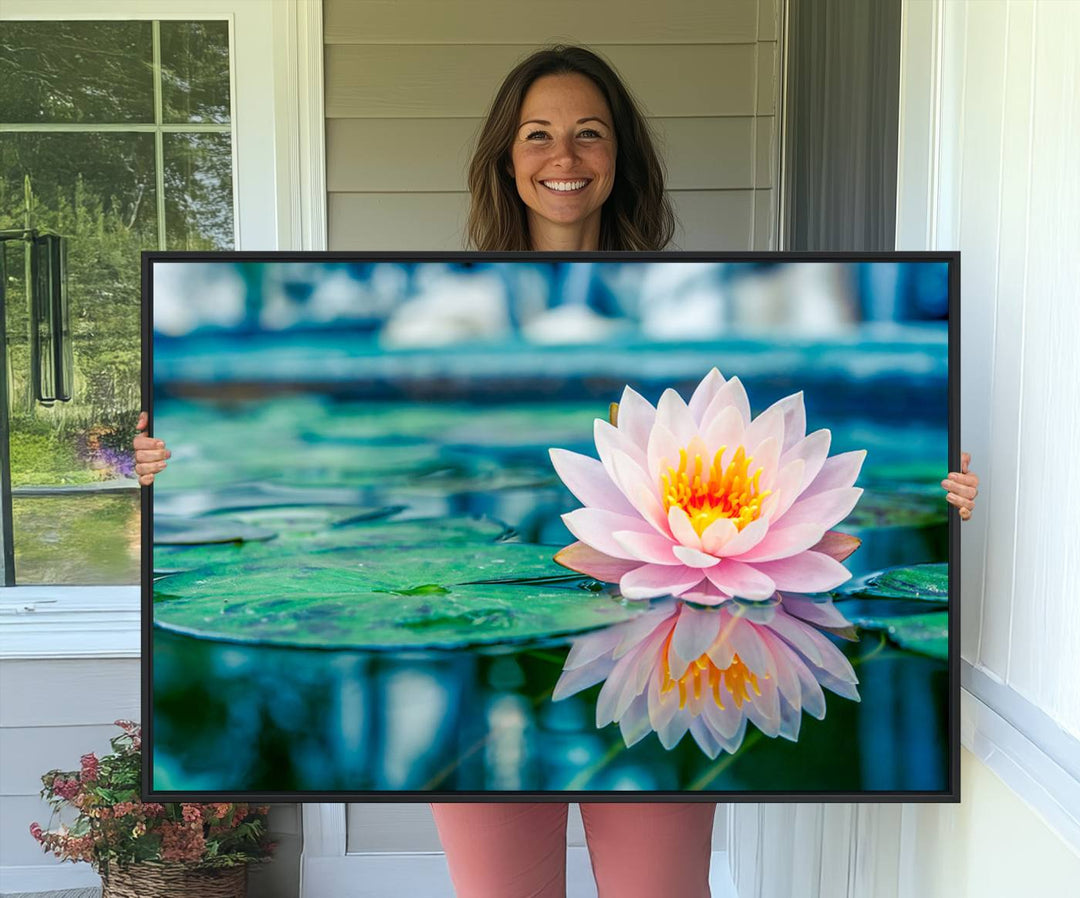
pixel 533 134
pixel 589 132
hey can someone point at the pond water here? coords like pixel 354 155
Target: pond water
pixel 319 626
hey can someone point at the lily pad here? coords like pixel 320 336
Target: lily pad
pixel 179 530
pixel 927 634
pixel 384 597
pixel 886 509
pixel 318 532
pixel 919 582
pixel 245 496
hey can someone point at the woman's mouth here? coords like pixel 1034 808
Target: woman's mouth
pixel 568 186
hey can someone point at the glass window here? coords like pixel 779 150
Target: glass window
pixel 118 137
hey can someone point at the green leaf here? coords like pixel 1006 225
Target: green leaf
pixel 919 582
pixel 389 596
pixel 927 634
pixel 310 529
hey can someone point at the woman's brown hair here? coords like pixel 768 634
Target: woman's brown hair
pixel 637 214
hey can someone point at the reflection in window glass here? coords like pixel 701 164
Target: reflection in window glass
pixel 76 499
pixel 195 71
pixel 198 191
pixel 83 540
pixel 54 72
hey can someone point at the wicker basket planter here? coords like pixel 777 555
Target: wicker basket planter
pixel 158 880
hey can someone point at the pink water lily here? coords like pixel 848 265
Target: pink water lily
pixel 710 671
pixel 700 501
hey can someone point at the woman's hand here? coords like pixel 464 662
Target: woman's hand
pixel 150 453
pixel 962 488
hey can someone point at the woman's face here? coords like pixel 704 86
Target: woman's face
pixel 563 154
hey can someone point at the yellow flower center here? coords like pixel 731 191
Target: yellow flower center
pixel 703 674
pixel 730 492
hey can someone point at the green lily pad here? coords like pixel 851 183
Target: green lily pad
pixel 317 531
pixel 927 634
pixel 886 509
pixel 246 496
pixel 178 530
pixel 384 597
pixel 919 583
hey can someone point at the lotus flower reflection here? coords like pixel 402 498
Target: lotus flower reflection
pixel 702 502
pixel 710 670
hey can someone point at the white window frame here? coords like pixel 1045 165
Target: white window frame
pixel 279 190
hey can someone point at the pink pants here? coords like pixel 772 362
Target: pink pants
pixel 519 850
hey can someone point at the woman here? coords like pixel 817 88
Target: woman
pixel 565 163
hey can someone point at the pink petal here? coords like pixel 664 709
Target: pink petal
pixel 653 580
pixel 793 411
pixel 827 508
pixel 663 452
pixel 733 393
pixel 813 450
pixel 719 534
pixel 587 479
pixel 770 423
pixel 822 614
pixel 571 681
pixel 745 539
pixel 641 492
pixel 704 394
pixel 783 542
pixel 608 440
pixel 725 429
pixel 586 560
pixel 694 558
pixel 588 648
pixel 785 489
pixel 747 644
pixel 765 455
pixel 672 413
pixel 741 580
pixel 837 545
pixel 787 680
pixel 658 620
pixel 705 594
pixel 681 528
pixel 806 572
pixel 594 526
pixel 838 471
pixel 650 547
pixel 694 632
pixel 636 418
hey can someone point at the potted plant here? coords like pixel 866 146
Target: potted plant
pixel 144 848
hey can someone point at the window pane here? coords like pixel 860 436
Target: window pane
pixel 198 192
pixel 76 72
pixel 78 540
pixel 195 71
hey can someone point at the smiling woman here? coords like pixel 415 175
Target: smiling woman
pixel 565 161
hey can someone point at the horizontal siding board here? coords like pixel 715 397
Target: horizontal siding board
pixel 527 22
pixel 17 846
pixel 391 827
pixel 401 155
pixel 768 24
pixel 28 752
pixel 713 219
pixel 708 219
pixel 397 221
pixel 374 81
pixel 69 692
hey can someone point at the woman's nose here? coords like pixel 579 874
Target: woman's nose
pixel 564 150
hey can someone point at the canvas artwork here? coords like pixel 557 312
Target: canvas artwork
pixel 453 526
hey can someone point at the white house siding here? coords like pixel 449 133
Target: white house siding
pixel 408 83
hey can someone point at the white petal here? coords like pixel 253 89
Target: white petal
pixel 733 393
pixel 641 492
pixel 694 558
pixel 650 547
pixel 652 581
pixel 837 471
pixel 681 528
pixel 704 394
pixel 589 481
pixel 594 526
pixel 745 539
pixel 694 632
pixel 636 417
pixel 720 533
pixel 725 430
pixel 672 413
pixel 662 453
pixel 813 450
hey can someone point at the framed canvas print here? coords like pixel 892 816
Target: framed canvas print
pixel 615 526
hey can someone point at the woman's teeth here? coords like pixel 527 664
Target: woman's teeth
pixel 564 186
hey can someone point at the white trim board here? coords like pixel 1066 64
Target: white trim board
pixel 1049 788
